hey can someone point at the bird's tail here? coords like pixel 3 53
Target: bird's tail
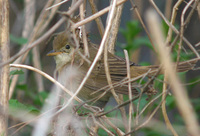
pixel 152 69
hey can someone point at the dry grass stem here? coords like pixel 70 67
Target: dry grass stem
pixel 98 20
pixel 83 31
pixel 198 9
pixel 130 91
pixel 61 114
pixel 36 42
pixel 109 32
pixel 118 130
pixel 182 100
pixel 165 85
pixel 58 4
pixel 183 25
pixel 197 44
pixel 174 29
pixel 194 7
pixel 45 36
pixel 41 24
pixel 168 7
pixel 142 23
pixel 164 111
pixel 173 17
pixel 46 76
pixel 30 121
pixel 92 65
pixel 29 23
pixel 4 71
pixel 118 106
pixel 146 121
pixel 114 28
pixel 98 14
pixel 149 103
pixel 106 65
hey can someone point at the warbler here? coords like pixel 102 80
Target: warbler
pixel 66 54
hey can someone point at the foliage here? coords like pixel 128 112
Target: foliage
pixel 18 40
pixel 131 35
pixel 16 72
pixel 15 105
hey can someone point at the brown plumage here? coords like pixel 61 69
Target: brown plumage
pixel 63 51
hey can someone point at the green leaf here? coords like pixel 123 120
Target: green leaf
pixel 170 102
pixel 40 98
pixel 22 87
pixel 131 31
pixel 15 105
pixel 18 40
pixel 16 72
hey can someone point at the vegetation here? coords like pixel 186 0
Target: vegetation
pixel 39 104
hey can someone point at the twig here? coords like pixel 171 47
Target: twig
pixel 143 25
pixel 168 6
pixel 114 28
pixel 129 89
pixel 41 25
pixel 149 103
pixel 173 17
pixel 91 67
pixel 83 31
pixel 110 47
pixel 45 36
pixel 38 41
pixel 30 10
pixel 182 29
pixel 46 76
pixel 106 65
pixel 118 131
pixel 164 111
pixel 4 72
pixel 111 19
pixel 198 9
pixel 98 20
pixel 146 121
pixel 57 4
pixel 25 123
pixel 103 127
pixel 98 14
pixel 174 29
pixel 118 106
pixel 180 93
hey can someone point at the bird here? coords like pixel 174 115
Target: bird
pixel 65 55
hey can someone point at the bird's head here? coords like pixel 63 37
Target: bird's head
pixel 63 49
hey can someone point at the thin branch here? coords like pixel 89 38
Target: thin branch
pixel 114 28
pixel 36 42
pixel 41 25
pixel 182 99
pixel 142 23
pixel 58 4
pixel 98 14
pixel 129 89
pixel 4 72
pixel 168 6
pixel 46 76
pixel 83 31
pixel 174 29
pixel 98 20
pixel 45 36
pixel 146 121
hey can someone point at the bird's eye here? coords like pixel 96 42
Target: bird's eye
pixel 67 46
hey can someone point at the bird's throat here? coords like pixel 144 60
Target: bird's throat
pixel 61 60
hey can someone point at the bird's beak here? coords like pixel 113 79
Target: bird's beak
pixel 53 53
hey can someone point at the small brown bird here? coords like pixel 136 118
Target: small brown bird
pixel 65 55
